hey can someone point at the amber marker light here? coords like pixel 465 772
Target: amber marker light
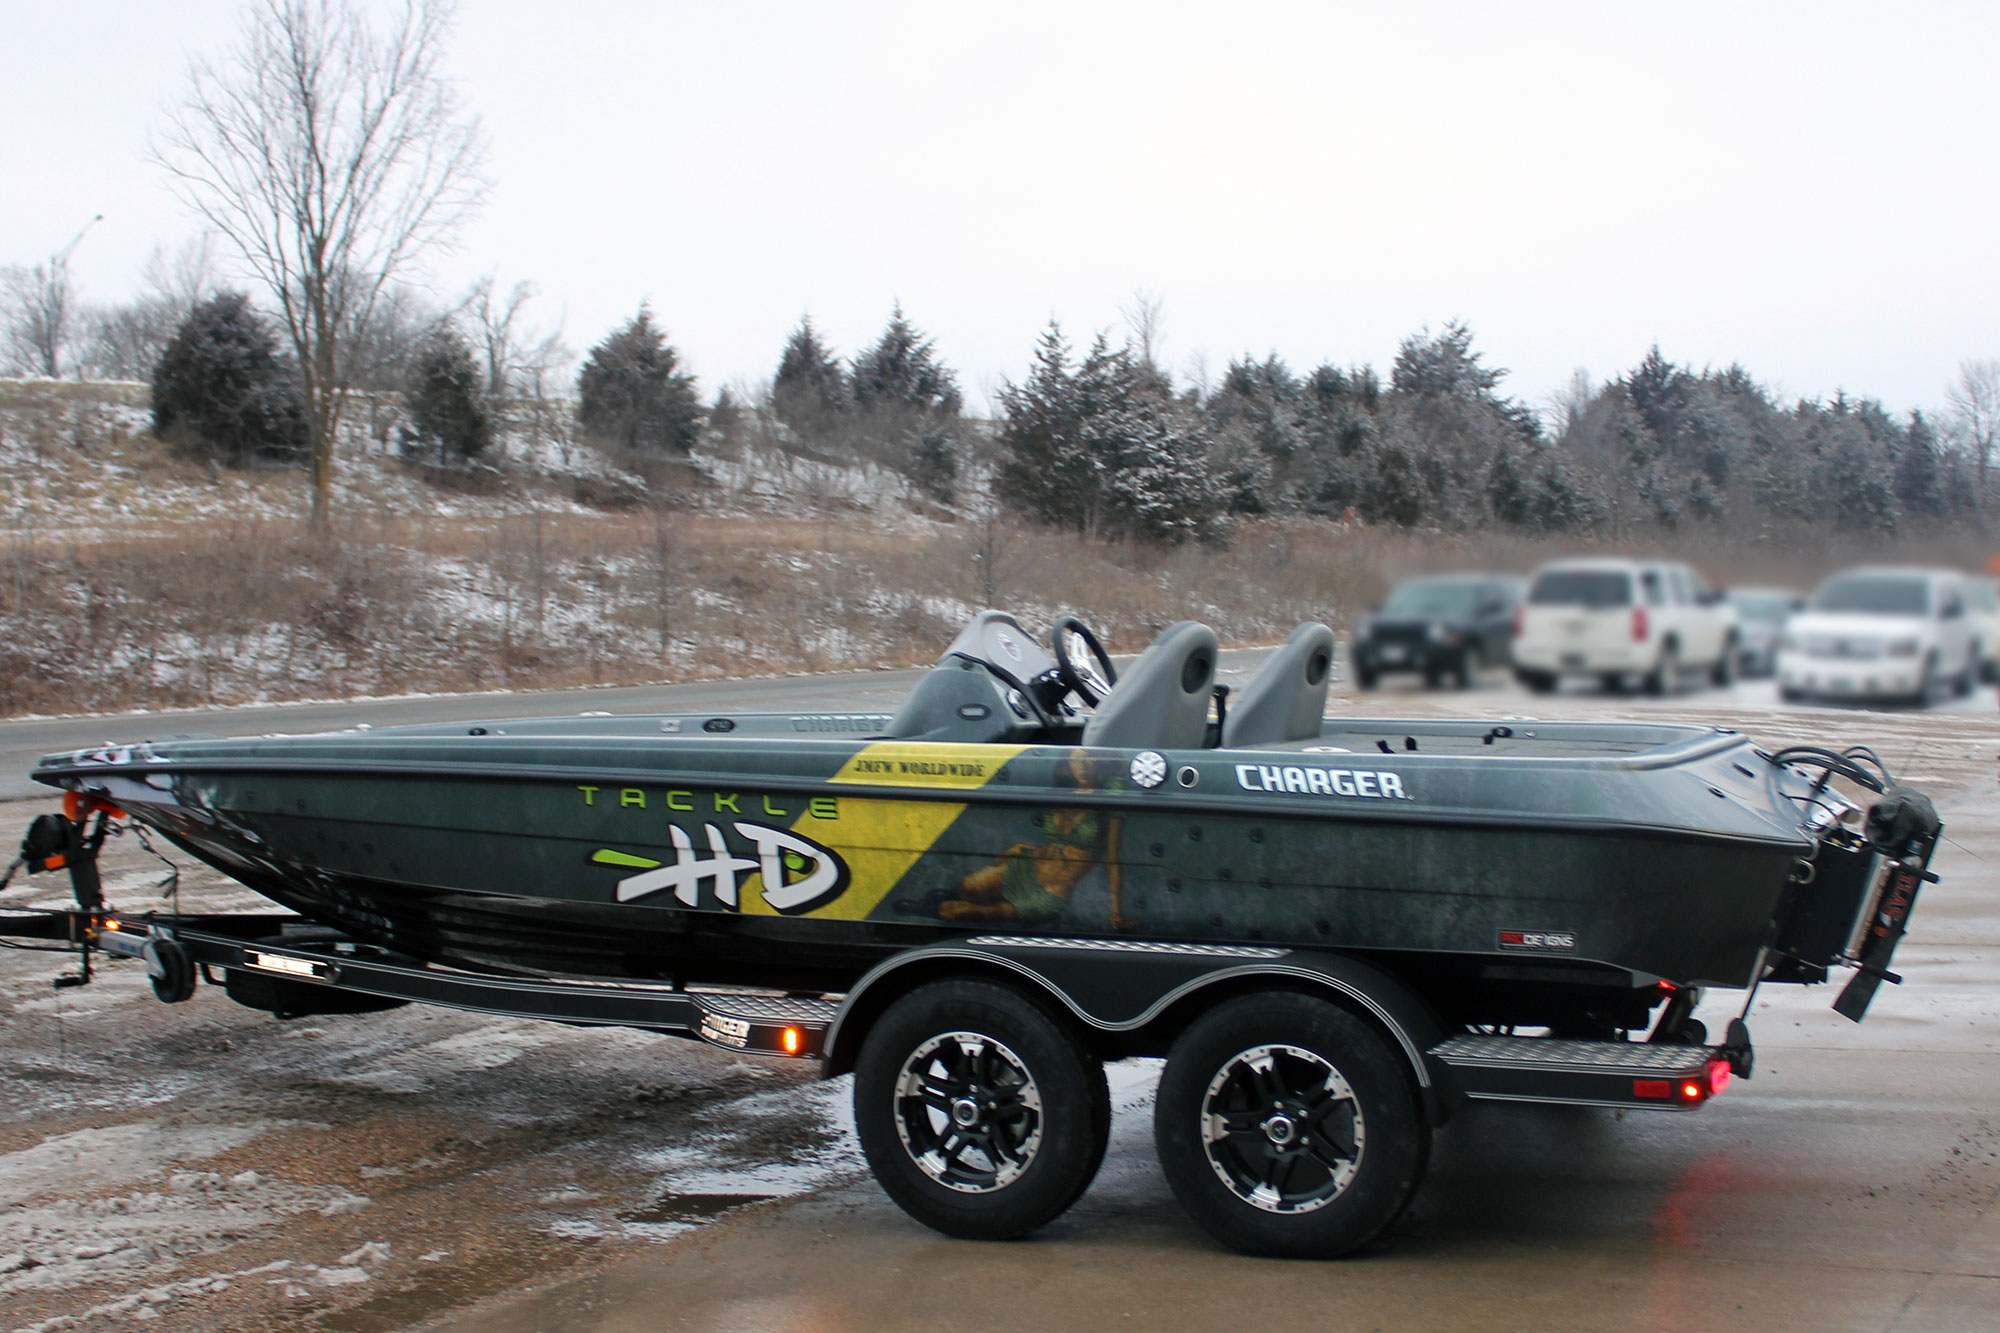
pixel 792 1040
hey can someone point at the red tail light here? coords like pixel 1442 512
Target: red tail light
pixel 1520 620
pixel 1638 624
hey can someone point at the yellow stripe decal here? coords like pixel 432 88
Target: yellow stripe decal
pixel 881 838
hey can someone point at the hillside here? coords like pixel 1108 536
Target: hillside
pixel 133 579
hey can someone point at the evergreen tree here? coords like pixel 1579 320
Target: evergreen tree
pixel 902 370
pixel 810 386
pixel 446 406
pixel 1256 418
pixel 1919 470
pixel 1442 366
pixel 1041 474
pixel 1106 449
pixel 223 390
pixel 907 404
pixel 632 395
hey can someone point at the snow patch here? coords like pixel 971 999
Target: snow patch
pixel 114 1155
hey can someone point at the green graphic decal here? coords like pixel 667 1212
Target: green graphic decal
pixel 796 873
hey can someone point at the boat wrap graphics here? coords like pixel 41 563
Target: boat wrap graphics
pixel 634 853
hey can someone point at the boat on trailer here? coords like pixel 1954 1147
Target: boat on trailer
pixel 1336 930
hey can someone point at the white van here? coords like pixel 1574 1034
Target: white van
pixel 1618 620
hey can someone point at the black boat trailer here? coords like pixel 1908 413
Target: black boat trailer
pixel 284 965
pixel 990 1049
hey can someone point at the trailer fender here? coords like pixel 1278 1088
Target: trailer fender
pixel 1123 987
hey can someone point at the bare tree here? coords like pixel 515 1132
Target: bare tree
pixel 1146 323
pixel 519 357
pixel 330 156
pixel 1567 405
pixel 126 341
pixel 38 309
pixel 1974 398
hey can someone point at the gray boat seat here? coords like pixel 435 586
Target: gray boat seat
pixel 1161 701
pixel 1286 699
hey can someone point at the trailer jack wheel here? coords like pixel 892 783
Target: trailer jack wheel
pixel 170 969
pixel 979 1114
pixel 1287 1127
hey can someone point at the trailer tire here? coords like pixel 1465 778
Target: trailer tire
pixel 1723 674
pixel 979 1114
pixel 1288 1127
pixel 1536 682
pixel 1665 677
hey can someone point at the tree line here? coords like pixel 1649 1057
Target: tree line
pixel 1102 441
pixel 326 154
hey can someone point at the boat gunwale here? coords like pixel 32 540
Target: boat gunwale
pixel 1182 799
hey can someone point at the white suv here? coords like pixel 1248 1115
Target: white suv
pixel 1884 633
pixel 1617 619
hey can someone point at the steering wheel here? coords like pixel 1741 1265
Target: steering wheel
pixel 1081 661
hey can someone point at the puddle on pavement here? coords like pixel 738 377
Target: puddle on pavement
pixel 692 1207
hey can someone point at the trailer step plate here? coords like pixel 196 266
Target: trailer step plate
pixel 1595 1073
pixel 772 1024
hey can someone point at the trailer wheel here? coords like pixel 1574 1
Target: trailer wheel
pixel 978 1113
pixel 1723 674
pixel 1665 677
pixel 1288 1127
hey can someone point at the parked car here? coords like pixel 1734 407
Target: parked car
pixel 1892 632
pixel 1760 620
pixel 1618 620
pixel 1982 604
pixel 1446 626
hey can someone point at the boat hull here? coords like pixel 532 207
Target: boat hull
pixel 804 863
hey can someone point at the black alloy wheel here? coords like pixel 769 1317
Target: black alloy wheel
pixel 1289 1127
pixel 979 1113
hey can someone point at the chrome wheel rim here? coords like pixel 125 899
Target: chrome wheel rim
pixel 1282 1129
pixel 968 1112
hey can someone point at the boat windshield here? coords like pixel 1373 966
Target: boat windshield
pixel 1593 588
pixel 1875 594
pixel 1433 597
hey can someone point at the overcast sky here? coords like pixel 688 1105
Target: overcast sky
pixel 1807 188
